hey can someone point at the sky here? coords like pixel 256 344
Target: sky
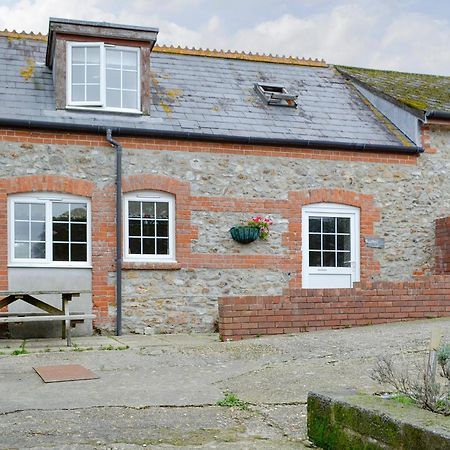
pixel 405 35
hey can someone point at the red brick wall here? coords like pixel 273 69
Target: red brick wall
pixel 313 309
pixel 49 137
pixel 443 245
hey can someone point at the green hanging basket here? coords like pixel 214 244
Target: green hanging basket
pixel 244 234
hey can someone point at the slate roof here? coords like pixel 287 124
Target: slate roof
pixel 206 95
pixel 419 91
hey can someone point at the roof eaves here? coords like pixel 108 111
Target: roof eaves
pixel 246 140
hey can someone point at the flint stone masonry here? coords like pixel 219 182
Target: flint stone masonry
pixel 348 421
pixel 174 301
pixel 410 197
pixel 214 236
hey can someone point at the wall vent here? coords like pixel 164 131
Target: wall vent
pixel 275 94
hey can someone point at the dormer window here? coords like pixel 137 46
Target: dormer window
pixel 103 76
pixel 100 66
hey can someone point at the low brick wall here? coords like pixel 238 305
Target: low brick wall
pixel 345 421
pixel 313 309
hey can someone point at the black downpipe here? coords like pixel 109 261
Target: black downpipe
pixel 118 148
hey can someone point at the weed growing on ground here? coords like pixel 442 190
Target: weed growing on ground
pixel 232 400
pixel 403 399
pixel 21 350
pixel 111 347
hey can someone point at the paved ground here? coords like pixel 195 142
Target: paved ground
pixel 161 392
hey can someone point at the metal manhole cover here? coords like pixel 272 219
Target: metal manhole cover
pixel 66 372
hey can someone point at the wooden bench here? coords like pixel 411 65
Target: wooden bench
pixel 51 313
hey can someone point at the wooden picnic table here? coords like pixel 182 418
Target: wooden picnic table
pixel 50 312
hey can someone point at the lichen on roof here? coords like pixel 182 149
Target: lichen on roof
pixel 418 91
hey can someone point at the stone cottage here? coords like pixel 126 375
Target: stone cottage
pixel 124 164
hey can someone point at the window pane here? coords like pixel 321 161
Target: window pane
pixel 149 228
pixel 162 228
pixel 135 246
pixel 61 212
pixel 60 252
pixel 343 242
pixel 148 210
pixel 134 227
pixel 129 60
pixel 149 247
pixel 343 259
pixel 60 232
pixel 329 259
pixel 162 210
pixel 93 74
pixel 78 232
pixel 93 55
pixel 38 250
pixel 78 212
pixel 129 80
pixel 93 93
pixel 314 242
pixel 78 74
pixel 78 94
pixel 314 224
pixel 21 250
pixel 78 55
pixel 343 225
pixel 129 99
pixel 78 252
pixel 21 231
pixel 162 246
pixel 22 211
pixel 113 98
pixel 113 79
pixel 134 209
pixel 314 259
pixel 37 211
pixel 38 231
pixel 113 58
pixel 328 242
pixel 328 224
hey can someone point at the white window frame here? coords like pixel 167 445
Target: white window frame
pixel 47 198
pixel 101 105
pixel 151 196
pixel 331 210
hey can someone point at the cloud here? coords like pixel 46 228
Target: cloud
pixel 382 34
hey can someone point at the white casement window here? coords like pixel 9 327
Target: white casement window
pixel 149 227
pixel 48 229
pixel 330 246
pixel 103 76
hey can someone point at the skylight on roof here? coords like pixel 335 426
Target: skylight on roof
pixel 275 94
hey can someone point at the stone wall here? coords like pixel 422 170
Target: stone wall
pixel 342 421
pixel 216 186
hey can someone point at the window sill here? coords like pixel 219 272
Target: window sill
pixel 131 112
pixel 170 265
pixel 50 266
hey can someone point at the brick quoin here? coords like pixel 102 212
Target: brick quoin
pixel 442 233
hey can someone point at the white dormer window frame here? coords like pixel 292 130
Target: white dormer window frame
pixel 102 102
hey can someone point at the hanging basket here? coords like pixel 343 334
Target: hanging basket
pixel 244 234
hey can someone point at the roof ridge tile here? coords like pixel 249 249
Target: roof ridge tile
pixel 193 51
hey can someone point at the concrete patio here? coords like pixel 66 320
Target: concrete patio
pixel 162 391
